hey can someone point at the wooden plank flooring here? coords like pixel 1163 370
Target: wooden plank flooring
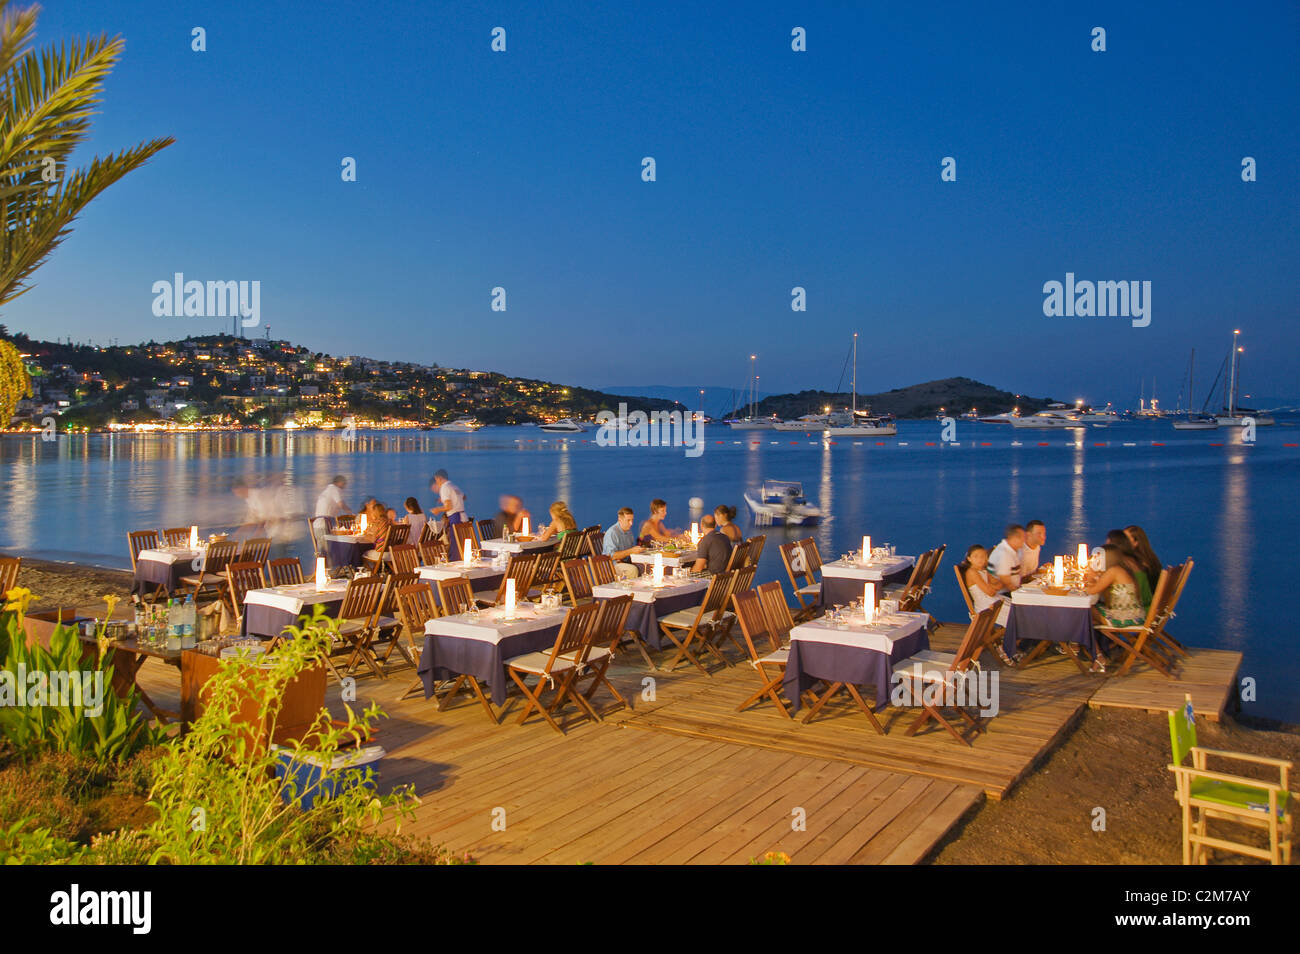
pixel 684 778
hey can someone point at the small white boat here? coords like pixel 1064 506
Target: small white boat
pixel 461 425
pixel 857 423
pixel 1047 420
pixel 565 425
pixel 1003 418
pixel 804 425
pixel 1197 422
pixel 752 424
pixel 781 503
pixel 1239 420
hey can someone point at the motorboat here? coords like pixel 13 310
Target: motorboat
pixel 1048 420
pixel 566 425
pixel 1197 422
pixel 1004 418
pixel 804 425
pixel 753 424
pixel 781 503
pixel 461 425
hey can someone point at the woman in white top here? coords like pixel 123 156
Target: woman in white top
pixel 985 590
pixel 416 519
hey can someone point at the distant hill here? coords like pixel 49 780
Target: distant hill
pixel 956 395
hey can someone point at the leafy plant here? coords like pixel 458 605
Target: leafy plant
pixel 216 792
pixel 38 847
pixel 109 729
pixel 771 858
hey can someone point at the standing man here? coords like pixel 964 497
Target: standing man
pixel 1035 537
pixel 1004 561
pixel 330 504
pixel 714 549
pixel 620 543
pixel 452 497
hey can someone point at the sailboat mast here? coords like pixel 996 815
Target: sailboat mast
pixel 1232 385
pixel 752 379
pixel 855 378
pixel 1191 370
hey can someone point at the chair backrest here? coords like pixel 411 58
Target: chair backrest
pixel 361 597
pixel 220 555
pixel 576 580
pixel 487 529
pixel 1182 731
pixel 909 601
pixel 601 568
pixel 456 595
pixel 398 534
pixel 387 605
pixel 795 557
pixel 1185 570
pixel 571 545
pixel 433 552
pixel 428 533
pixel 326 525
pixel 813 555
pixel 139 540
pixel 976 637
pixel 284 571
pixel 779 619
pixel 345 521
pixel 739 556
pixel 417 605
pixel 919 568
pixel 406 557
pixel 255 550
pixel 1162 597
pixel 176 536
pixel 521 568
pixel 965 590
pixel 242 577
pixel 753 620
pixel 576 632
pixel 741 579
pixel 715 598
pixel 593 541
pixel 936 557
pixel 756 544
pixel 548 568
pixel 460 532
pixel 612 621
pixel 9 574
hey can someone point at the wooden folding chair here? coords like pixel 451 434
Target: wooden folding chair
pixel 559 664
pixel 255 550
pixel 355 618
pixel 521 568
pixel 593 541
pixel 212 569
pixel 488 529
pixel 176 536
pixel 756 544
pixel 399 534
pixel 404 557
pixel 696 622
pixel 611 624
pixel 739 556
pixel 1165 638
pixel 9 574
pixel 577 581
pixel 240 578
pixel 417 606
pixel 915 581
pixel 317 541
pixel 1206 796
pixel 138 540
pixel 601 569
pixel 456 595
pixel 345 522
pixel 994 636
pixel 1142 641
pixel 929 674
pixel 285 571
pixel 742 579
pixel 754 625
pixel 385 628
pixel 571 546
pixel 432 552
pixel 429 534
pixel 798 558
pixel 547 572
pixel 460 533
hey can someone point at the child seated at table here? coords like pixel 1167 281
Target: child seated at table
pixel 985 591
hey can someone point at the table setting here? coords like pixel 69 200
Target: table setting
pixel 842 579
pixel 484 575
pixel 1053 606
pixel 654 595
pixel 268 611
pixel 164 567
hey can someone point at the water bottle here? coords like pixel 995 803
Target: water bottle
pixel 188 618
pixel 173 618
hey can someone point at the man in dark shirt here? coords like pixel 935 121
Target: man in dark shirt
pixel 714 549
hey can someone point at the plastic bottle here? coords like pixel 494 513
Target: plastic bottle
pixel 188 616
pixel 173 618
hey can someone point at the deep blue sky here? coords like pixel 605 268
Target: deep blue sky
pixel 775 169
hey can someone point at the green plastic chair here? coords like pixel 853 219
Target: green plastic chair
pixel 1206 795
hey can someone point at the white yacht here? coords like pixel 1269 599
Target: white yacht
pixel 854 424
pixel 461 425
pixel 565 425
pixel 804 425
pixel 781 503
pixel 1048 420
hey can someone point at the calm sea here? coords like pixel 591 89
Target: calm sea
pixel 1225 506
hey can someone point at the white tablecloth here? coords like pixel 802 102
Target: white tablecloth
pixel 449 571
pixel 295 596
pixel 643 591
pixel 516 546
pixel 1032 595
pixel 680 558
pixel 168 556
pixel 873 572
pixel 492 627
pixel 879 636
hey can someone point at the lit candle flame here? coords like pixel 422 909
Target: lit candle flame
pixel 469 554
pixel 869 601
pixel 525 530
pixel 1083 555
pixel 866 549
pixel 321 577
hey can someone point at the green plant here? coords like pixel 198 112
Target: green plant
pixel 216 793
pixel 38 847
pixel 771 858
pixel 73 706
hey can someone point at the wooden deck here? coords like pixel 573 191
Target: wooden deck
pixel 1209 675
pixel 685 778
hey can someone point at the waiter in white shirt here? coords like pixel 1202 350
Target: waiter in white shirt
pixel 1004 561
pixel 1035 537
pixel 330 503
pixel 452 497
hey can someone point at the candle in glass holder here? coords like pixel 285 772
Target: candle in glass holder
pixel 524 531
pixel 361 523
pixel 866 549
pixel 510 596
pixel 695 533
pixel 869 601
pixel 1058 571
pixel 194 538
pixel 321 577
pixel 1083 555
pixel 658 573
pixel 468 554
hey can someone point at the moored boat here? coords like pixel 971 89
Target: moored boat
pixel 781 503
pixel 565 425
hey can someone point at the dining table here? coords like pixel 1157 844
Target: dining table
pixel 270 610
pixel 484 577
pixel 852 651
pixel 671 558
pixel 652 601
pixel 480 643
pixel 517 545
pixel 346 549
pixel 1045 613
pixel 163 567
pixel 843 580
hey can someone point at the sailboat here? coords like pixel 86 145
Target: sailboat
pixel 850 425
pixel 1237 416
pixel 1194 421
pixel 752 423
